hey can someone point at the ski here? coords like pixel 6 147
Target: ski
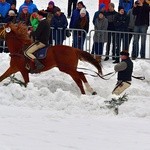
pixel 114 103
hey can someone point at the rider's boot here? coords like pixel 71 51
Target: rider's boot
pixel 38 64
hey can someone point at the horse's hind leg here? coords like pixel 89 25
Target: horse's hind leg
pixel 76 77
pixel 88 87
pixel 78 81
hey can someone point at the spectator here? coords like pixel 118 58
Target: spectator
pixel 11 2
pixel 31 6
pixel 96 14
pixel 100 37
pixel 124 69
pixel 126 4
pixel 121 25
pixel 106 2
pixel 141 11
pixel 110 15
pixel 24 16
pixel 76 14
pixel 71 6
pixel 51 7
pixel 81 23
pixel 50 14
pixel 59 23
pixel 4 8
pixel 34 21
pixel 12 16
pixel 131 24
pixel 13 7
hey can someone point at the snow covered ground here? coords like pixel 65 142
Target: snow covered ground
pixel 52 114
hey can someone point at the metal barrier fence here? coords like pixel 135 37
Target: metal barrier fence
pixel 116 41
pixel 138 44
pixel 72 37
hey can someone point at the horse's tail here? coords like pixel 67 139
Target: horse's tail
pixel 85 56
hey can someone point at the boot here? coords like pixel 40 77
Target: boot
pixel 116 61
pixel 106 58
pixel 38 64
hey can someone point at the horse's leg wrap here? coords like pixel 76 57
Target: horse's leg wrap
pixel 89 88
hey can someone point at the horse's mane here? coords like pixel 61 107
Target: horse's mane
pixel 20 32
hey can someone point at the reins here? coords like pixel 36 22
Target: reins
pixel 97 74
pixel 139 78
pixel 111 73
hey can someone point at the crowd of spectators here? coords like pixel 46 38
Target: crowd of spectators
pixel 130 17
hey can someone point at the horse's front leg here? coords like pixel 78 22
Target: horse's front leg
pixel 25 75
pixel 8 72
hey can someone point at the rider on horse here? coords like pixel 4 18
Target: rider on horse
pixel 41 35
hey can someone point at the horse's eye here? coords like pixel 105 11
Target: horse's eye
pixel 8 29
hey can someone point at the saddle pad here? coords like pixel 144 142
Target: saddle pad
pixel 41 53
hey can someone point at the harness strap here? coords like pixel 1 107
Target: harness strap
pixel 140 78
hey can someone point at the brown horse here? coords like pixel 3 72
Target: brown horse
pixel 64 57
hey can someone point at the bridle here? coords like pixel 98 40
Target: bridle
pixel 3 32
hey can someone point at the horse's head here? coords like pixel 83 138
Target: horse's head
pixel 4 29
pixel 15 36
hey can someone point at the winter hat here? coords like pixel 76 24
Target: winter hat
pixel 83 11
pixel 120 7
pixel 81 3
pixel 124 53
pixel 11 13
pixel 24 7
pixel 56 9
pixel 101 12
pixel 42 13
pixel 101 6
pixel 51 3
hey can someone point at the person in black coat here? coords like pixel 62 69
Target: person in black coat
pixel 121 22
pixel 59 23
pixel 141 12
pixel 41 35
pixel 110 15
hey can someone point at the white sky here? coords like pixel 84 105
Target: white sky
pixel 52 114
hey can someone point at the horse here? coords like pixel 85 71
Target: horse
pixel 65 58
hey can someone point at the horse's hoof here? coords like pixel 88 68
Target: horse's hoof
pixel 94 93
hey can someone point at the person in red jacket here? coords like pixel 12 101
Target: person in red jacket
pixel 106 2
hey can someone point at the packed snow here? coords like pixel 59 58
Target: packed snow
pixel 51 113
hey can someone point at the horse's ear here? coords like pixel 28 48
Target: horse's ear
pixel 8 29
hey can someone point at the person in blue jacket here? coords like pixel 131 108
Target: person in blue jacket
pixel 126 4
pixel 11 2
pixel 4 8
pixel 31 6
pixel 76 14
pixel 96 14
pixel 59 23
